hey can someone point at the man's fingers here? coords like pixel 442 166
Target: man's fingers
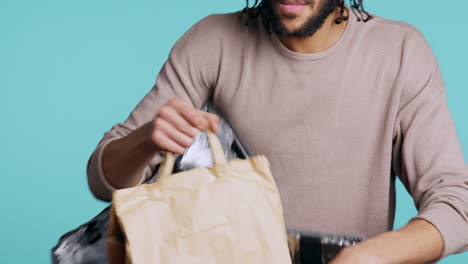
pixel 213 121
pixel 195 117
pixel 165 143
pixel 172 133
pixel 181 113
pixel 177 123
pixel 171 115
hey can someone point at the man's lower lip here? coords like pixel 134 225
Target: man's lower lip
pixel 291 8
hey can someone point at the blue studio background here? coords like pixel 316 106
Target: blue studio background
pixel 69 70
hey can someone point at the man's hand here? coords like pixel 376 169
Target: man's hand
pixel 177 123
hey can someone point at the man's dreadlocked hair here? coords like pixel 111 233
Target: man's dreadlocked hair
pixel 356 6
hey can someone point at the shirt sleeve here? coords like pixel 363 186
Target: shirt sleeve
pixel 189 73
pixel 427 156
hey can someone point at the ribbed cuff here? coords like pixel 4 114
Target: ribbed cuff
pixel 452 227
pixel 99 185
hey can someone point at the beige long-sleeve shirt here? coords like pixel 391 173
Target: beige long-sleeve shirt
pixel 337 126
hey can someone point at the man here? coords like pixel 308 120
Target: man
pixel 340 102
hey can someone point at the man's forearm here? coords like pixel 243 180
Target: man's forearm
pixel 124 160
pixel 418 242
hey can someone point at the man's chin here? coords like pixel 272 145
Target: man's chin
pixel 301 24
pixel 291 26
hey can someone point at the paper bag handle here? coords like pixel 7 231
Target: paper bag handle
pixel 217 153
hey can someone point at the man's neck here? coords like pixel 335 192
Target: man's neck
pixel 324 38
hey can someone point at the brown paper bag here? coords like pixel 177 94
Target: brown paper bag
pixel 229 213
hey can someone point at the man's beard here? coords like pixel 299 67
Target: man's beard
pixel 314 22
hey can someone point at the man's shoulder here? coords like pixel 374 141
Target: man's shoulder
pixel 209 36
pixel 382 29
pixel 216 30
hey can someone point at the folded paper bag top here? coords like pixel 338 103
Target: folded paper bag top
pixel 230 213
